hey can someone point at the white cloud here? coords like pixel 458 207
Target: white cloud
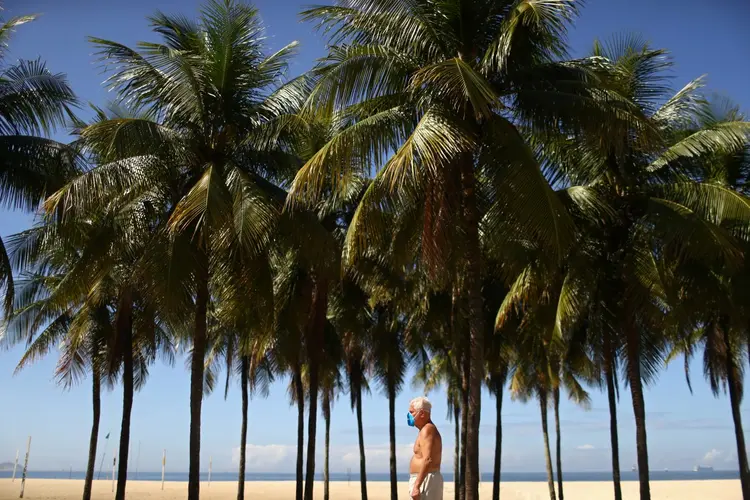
pixel 711 456
pixel 378 456
pixel 264 458
pixel 585 447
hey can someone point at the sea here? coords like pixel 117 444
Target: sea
pixel 448 477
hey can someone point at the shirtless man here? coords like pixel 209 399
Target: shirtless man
pixel 425 480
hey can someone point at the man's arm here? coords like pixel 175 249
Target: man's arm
pixel 425 445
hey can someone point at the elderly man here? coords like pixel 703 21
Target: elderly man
pixel 425 480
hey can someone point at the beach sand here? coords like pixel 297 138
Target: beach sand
pixel 61 489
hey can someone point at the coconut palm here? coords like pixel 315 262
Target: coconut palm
pixel 707 301
pixel 389 349
pixel 440 82
pixel 331 385
pixel 82 335
pixel 356 367
pixel 234 346
pixel 78 276
pixel 33 101
pixel 203 159
pixel 638 183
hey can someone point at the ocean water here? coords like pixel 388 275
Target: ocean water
pixel 486 477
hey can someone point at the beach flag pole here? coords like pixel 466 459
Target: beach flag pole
pixel 163 464
pixel 114 467
pixel 104 454
pixel 25 468
pixel 210 461
pixel 15 465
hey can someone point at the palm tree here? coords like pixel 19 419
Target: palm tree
pixel 204 159
pixel 356 368
pixel 290 303
pixel 723 350
pixel 707 301
pixel 82 335
pixel 33 101
pixel 241 352
pixel 439 84
pixel 77 278
pixel 388 347
pixel 331 385
pixel 531 379
pixel 636 182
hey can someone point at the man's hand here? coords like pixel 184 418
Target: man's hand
pixel 414 493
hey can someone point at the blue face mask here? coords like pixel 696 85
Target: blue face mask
pixel 410 419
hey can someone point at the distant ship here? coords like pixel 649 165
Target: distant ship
pixel 701 468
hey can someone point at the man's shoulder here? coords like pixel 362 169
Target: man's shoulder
pixel 430 429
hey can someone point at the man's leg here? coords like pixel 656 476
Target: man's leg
pixel 433 487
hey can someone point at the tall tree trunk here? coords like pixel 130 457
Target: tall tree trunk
pixel 361 435
pixel 473 280
pixel 124 326
pixel 392 434
pixel 196 381
pixel 244 367
pixel 464 422
pixel 639 409
pixel 498 440
pixel 312 423
pixel 316 327
pixel 300 396
pixel 326 470
pixel 96 403
pixel 457 452
pixel 545 433
pixel 612 397
pixel 735 398
pixel 558 447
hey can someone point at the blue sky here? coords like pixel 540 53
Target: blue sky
pixel 684 429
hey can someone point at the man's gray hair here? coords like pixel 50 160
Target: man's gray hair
pixel 421 403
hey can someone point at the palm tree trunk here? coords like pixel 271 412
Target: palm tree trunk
pixel 361 435
pixel 196 382
pixel 316 327
pixel 545 432
pixel 558 447
pixel 392 432
pixel 326 470
pixel 498 441
pixel 124 325
pixel 300 396
pixel 96 402
pixel 613 430
pixel 473 280
pixel 457 453
pixel 464 423
pixel 733 377
pixel 244 367
pixel 639 409
pixel 312 424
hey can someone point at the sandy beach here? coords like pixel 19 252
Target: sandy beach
pixel 61 489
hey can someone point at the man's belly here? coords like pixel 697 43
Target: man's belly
pixel 416 465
